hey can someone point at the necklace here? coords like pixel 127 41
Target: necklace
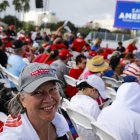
pixel 48 131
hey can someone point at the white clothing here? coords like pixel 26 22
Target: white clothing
pixel 85 104
pixel 21 128
pixel 88 106
pixel 33 36
pixel 75 54
pixel 122 118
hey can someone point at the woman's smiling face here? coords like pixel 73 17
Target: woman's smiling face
pixel 42 104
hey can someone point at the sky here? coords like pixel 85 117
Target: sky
pixel 82 11
pixel 78 12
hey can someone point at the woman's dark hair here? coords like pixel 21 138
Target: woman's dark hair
pixel 83 85
pixel 119 43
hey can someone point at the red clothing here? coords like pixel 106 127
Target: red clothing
pixel 124 61
pixel 1 126
pixel 75 73
pixel 78 44
pixel 37 58
pixel 108 50
pixel 104 54
pixel 8 45
pixel 131 48
pixel 100 100
pixel 43 57
pixel 58 46
pixel 46 45
pixel 92 53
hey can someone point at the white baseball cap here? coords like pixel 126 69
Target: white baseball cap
pixel 96 82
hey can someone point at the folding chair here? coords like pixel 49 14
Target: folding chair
pixel 3 117
pixel 62 110
pixel 111 93
pixel 80 119
pixel 10 76
pixel 102 133
pixel 70 80
pixel 71 64
pixel 112 82
pixel 4 80
pixel 64 103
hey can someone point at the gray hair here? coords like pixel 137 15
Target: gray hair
pixel 15 107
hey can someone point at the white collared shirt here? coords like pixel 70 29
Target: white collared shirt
pixel 21 128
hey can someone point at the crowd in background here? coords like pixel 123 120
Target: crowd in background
pixel 70 54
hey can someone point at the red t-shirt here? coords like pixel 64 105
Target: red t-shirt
pixel 75 73
pixel 58 46
pixel 44 57
pixel 131 48
pixel 37 58
pixel 78 44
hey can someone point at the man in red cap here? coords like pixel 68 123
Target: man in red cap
pixel 60 64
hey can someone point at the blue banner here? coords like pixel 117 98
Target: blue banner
pixel 127 15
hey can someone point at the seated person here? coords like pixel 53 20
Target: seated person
pixel 34 109
pixel 89 91
pixel 97 45
pixel 120 47
pixel 85 101
pixel 96 65
pixel 75 73
pixel 122 117
pixel 132 46
pixel 61 64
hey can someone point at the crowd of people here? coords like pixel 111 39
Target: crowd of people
pixel 41 60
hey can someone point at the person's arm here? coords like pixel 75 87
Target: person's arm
pixel 59 29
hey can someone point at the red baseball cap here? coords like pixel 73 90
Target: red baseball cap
pixel 65 54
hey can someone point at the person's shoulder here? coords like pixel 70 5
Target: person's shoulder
pixel 10 136
pixel 60 124
pixel 75 97
pixel 12 129
pixel 55 63
pixel 59 119
pixel 83 98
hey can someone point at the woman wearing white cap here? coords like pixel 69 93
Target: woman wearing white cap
pixel 122 118
pixel 85 99
pixel 34 109
pixel 89 91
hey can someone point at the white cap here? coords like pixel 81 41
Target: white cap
pixel 96 82
pixel 35 45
